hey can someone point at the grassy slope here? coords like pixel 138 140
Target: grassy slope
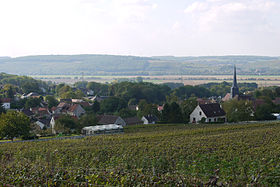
pixel 156 154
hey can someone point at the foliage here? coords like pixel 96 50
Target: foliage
pixel 126 113
pixel 188 106
pixel 264 112
pixel 238 110
pixel 64 124
pixel 51 100
pixel 112 104
pixel 98 88
pixel 221 89
pixel 14 124
pixel 189 91
pixel 150 155
pixel 32 102
pixel 172 113
pixel 152 93
pixel 145 109
pixel 87 120
pixel 2 109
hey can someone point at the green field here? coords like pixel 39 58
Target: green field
pixel 170 155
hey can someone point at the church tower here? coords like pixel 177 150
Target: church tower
pixel 234 89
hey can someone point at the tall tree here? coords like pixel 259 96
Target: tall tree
pixel 14 124
pixel 238 110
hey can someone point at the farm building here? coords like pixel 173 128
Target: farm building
pixel 102 129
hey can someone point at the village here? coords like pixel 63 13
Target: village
pixel 85 111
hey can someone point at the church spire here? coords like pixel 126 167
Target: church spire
pixel 234 77
pixel 234 89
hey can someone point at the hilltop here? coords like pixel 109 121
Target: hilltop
pixel 135 65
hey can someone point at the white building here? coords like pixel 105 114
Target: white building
pixel 6 103
pixel 211 113
pixel 102 129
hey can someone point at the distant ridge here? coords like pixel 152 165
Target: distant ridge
pixel 102 64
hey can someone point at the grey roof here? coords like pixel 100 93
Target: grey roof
pixel 212 110
pixel 133 121
pixel 151 118
pixel 107 119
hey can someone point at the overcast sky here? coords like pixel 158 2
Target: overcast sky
pixel 140 27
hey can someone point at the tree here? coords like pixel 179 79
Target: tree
pixel 238 110
pixel 9 90
pixel 172 113
pixel 87 120
pixel 187 108
pixel 14 124
pixel 51 101
pixel 126 113
pixel 112 104
pixel 65 124
pixel 2 109
pixel 175 115
pixel 95 107
pixel 32 102
pixel 30 86
pixel 264 112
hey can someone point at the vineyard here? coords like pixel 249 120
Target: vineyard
pixel 154 155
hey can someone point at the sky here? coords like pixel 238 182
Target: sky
pixel 140 27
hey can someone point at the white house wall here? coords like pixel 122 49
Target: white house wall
pixel 196 114
pixel 6 106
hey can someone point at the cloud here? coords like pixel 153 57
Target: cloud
pixel 227 15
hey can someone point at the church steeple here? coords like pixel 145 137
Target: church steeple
pixel 234 88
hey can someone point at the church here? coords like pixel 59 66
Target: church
pixel 234 91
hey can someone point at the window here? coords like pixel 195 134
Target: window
pixel 200 113
pixel 215 119
pixel 209 120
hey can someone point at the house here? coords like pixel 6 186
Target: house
pixel 110 119
pixel 6 103
pixel 43 123
pixel 31 94
pixel 90 93
pixel 133 121
pixel 27 112
pixel 149 119
pixel 160 108
pixel 75 110
pixel 99 98
pixel 41 111
pixel 209 112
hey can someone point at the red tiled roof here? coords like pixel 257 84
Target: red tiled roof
pixel 73 108
pixel 62 105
